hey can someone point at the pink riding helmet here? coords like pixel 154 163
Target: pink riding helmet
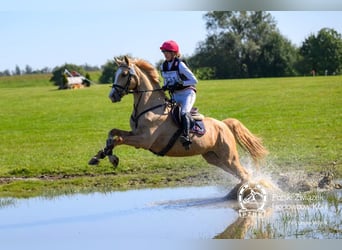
pixel 170 46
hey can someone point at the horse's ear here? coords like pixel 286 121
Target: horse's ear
pixel 126 60
pixel 117 61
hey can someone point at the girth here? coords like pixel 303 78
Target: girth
pixel 170 144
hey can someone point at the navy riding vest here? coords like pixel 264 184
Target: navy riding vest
pixel 175 67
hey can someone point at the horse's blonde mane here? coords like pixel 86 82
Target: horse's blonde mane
pixel 148 69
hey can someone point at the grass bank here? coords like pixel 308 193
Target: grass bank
pixel 47 136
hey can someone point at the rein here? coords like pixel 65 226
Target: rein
pixel 136 117
pixel 125 90
pixel 144 91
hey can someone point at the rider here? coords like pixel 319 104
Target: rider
pixel 180 81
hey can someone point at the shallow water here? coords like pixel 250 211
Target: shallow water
pixel 168 213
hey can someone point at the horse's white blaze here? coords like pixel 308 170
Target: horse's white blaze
pixel 111 93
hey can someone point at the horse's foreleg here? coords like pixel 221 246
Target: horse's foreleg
pixel 115 137
pixel 106 151
pixel 95 160
pixel 111 142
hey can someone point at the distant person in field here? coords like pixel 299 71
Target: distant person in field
pixel 180 82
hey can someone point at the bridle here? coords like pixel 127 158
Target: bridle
pixel 124 90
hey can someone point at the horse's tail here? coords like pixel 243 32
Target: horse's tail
pixel 246 139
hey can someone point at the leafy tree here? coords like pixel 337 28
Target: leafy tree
pixel 88 76
pixel 108 71
pixel 43 71
pixel 28 69
pixel 244 44
pixel 17 70
pixel 322 52
pixel 5 73
pixel 87 81
pixel 204 73
pixel 277 57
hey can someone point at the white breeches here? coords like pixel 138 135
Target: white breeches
pixel 186 98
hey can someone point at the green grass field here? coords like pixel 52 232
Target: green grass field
pixel 47 136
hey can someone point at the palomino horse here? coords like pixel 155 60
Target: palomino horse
pixel 153 127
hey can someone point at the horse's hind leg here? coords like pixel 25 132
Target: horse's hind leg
pixel 240 172
pixel 230 163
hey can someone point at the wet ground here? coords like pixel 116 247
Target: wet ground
pixel 168 213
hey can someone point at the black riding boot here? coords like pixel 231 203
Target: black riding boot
pixel 185 137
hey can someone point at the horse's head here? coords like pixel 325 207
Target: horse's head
pixel 125 79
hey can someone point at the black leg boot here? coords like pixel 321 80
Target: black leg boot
pixel 185 137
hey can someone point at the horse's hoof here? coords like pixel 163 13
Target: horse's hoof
pixel 232 195
pixel 114 160
pixel 94 161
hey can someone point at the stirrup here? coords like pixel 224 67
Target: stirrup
pixel 186 142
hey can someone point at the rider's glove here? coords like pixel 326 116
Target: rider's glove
pixel 173 87
pixel 178 85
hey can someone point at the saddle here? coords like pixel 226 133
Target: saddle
pixel 196 120
pixel 196 127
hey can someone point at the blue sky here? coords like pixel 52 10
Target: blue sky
pixel 47 38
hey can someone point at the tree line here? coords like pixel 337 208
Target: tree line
pixel 247 44
pixel 244 44
pixel 28 70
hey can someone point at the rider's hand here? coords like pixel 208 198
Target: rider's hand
pixel 172 87
pixel 168 87
pixel 178 85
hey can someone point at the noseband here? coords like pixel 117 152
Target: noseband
pixel 123 90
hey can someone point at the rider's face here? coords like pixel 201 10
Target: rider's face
pixel 169 55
